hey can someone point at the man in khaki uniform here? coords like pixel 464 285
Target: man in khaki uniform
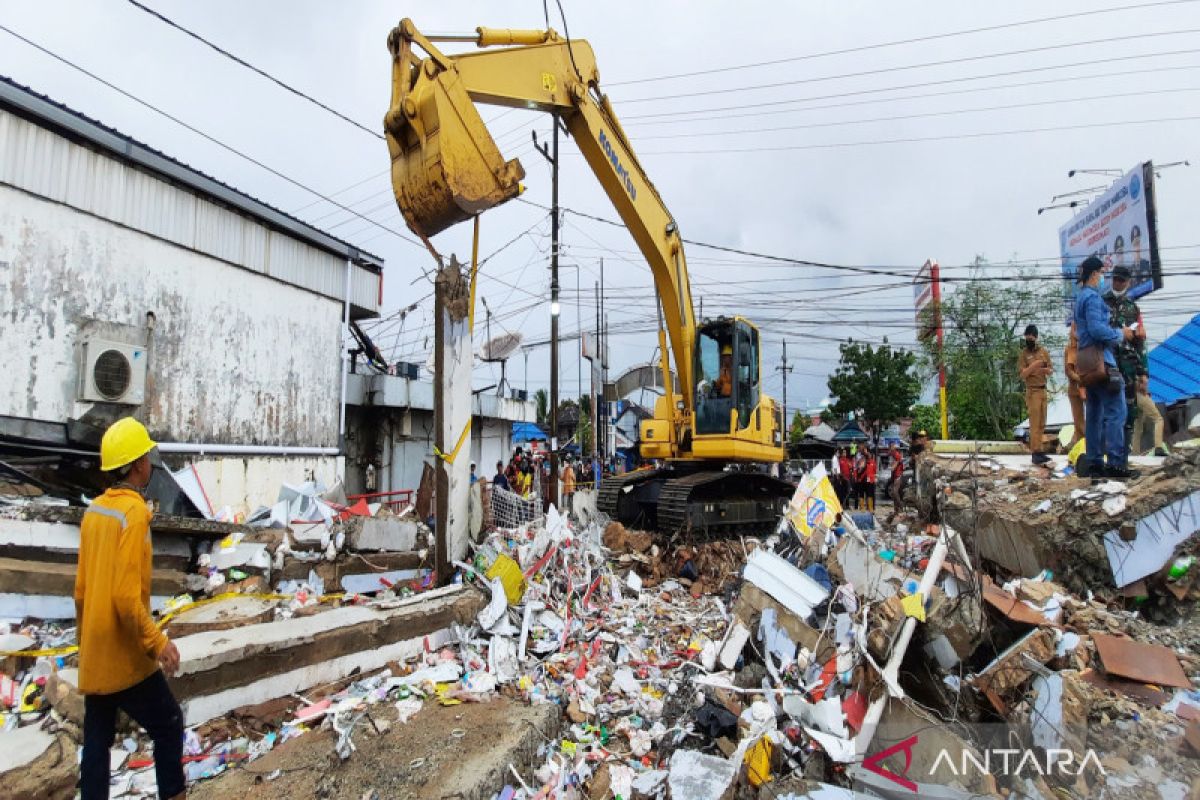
pixel 1147 413
pixel 1034 367
pixel 1074 389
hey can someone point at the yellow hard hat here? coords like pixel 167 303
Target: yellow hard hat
pixel 727 350
pixel 124 442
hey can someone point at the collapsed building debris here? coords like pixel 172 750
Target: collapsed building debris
pixel 864 661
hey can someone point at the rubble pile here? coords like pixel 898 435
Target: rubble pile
pixel 829 659
pixel 1106 537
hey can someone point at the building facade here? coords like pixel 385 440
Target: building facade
pixel 132 284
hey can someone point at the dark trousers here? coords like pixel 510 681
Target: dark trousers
pixel 151 705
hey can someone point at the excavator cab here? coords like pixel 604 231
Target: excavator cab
pixel 727 375
pixel 446 167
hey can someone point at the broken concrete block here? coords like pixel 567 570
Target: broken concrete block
pixel 35 765
pixel 64 697
pixel 696 776
pixel 226 613
pixel 381 533
pixel 56 579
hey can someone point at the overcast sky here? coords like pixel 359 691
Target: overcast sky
pixel 829 184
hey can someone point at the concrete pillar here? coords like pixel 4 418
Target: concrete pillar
pixel 452 413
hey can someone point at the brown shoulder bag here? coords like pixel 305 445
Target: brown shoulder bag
pixel 1091 367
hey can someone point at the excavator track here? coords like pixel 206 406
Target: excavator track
pixel 717 503
pixel 624 497
pixel 707 502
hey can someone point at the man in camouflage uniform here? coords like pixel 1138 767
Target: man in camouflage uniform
pixel 1131 355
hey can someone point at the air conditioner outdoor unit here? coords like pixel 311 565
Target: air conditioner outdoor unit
pixel 112 372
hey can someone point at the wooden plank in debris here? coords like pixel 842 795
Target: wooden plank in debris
pixel 1146 663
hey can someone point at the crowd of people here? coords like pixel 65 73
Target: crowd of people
pixel 1107 371
pixel 527 474
pixel 854 471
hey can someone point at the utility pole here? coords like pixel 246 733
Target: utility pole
pixel 597 391
pixel 552 157
pixel 785 369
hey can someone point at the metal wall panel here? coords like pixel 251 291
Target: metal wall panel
pixel 44 163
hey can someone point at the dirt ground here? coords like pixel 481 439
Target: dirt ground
pixel 443 752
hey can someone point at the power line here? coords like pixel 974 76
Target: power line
pixel 203 135
pixel 243 62
pixel 918 85
pixel 917 139
pixel 923 115
pixel 645 119
pixel 920 65
pixel 899 42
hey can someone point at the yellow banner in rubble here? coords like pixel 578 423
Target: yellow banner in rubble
pixel 814 503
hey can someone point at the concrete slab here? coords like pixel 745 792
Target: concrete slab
pixel 35 765
pixel 222 615
pixel 15 606
pixel 381 533
pixel 215 661
pixel 332 572
pixel 59 541
pixel 49 578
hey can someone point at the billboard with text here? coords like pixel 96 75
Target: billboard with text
pixel 1120 228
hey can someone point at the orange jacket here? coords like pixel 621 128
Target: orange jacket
pixel 119 643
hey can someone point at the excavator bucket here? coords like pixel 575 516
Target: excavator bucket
pixel 446 167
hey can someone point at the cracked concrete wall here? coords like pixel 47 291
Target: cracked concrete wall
pixel 236 357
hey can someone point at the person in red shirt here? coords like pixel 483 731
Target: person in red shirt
pixel 872 473
pixel 847 470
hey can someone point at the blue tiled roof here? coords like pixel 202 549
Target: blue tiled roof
pixel 1175 365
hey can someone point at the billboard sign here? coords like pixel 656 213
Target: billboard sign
pixel 1120 228
pixel 927 299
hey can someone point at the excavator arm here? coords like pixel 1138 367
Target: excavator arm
pixel 446 167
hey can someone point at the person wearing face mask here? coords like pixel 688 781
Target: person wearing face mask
pixel 1105 413
pixel 1034 367
pixel 1131 355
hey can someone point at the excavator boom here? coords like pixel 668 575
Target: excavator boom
pixel 446 168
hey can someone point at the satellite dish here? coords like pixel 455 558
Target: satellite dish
pixel 501 347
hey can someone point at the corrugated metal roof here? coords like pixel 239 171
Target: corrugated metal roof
pixel 1175 365
pixel 27 103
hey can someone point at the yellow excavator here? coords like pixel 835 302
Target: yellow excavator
pixel 720 433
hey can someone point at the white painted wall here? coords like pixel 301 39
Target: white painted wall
pixel 236 357
pixel 245 483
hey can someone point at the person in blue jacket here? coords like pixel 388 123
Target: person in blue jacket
pixel 1105 417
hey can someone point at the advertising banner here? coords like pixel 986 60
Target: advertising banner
pixel 1120 228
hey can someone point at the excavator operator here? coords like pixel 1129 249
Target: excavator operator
pixel 724 383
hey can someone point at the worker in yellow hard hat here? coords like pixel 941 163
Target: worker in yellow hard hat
pixel 724 383
pixel 124 659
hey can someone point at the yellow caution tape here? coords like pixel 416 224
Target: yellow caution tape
pixel 462 437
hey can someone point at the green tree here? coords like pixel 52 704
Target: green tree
pixel 876 384
pixel 926 418
pixel 983 321
pixel 542 398
pixel 798 427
